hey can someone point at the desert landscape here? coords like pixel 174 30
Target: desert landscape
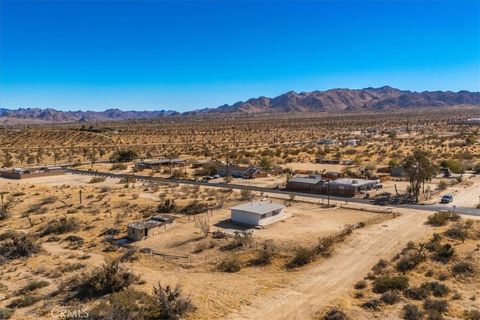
pixel 67 244
pixel 239 160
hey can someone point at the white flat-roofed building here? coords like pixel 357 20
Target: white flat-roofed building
pixel 257 213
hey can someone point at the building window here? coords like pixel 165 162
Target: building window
pixel 263 216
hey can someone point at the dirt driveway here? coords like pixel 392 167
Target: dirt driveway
pixel 329 279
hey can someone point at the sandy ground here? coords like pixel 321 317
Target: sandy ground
pixel 465 195
pixel 67 179
pixel 314 166
pixel 328 280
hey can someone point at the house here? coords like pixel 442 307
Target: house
pixel 237 171
pixel 200 163
pixel 345 162
pixel 327 142
pixel 352 142
pixel 158 163
pixel 143 229
pixel 258 213
pixel 397 172
pixel 332 175
pixel 20 173
pixel 343 187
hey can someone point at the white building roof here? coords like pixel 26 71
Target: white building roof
pixel 258 207
pixel 352 182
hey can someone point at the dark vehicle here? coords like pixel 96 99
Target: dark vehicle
pixel 446 198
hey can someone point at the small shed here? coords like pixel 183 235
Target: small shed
pixel 258 213
pixel 143 229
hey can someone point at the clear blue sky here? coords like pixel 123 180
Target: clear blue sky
pixel 184 55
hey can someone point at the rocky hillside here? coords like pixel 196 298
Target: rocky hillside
pixel 339 100
pixel 49 115
pixel 333 101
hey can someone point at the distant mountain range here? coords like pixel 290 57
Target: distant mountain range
pixel 49 115
pixel 347 100
pixel 331 101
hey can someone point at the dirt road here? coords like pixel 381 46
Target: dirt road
pixel 329 279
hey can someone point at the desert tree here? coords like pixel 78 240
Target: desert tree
pixel 419 169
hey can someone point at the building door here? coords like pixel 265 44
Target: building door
pixel 146 232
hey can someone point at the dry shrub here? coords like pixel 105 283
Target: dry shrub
pixel 15 245
pixel 441 218
pixel 110 278
pixel 335 314
pixel 386 283
pixel 412 312
pixel 302 256
pixel 230 264
pixel 62 225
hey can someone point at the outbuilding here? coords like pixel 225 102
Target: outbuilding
pixel 258 213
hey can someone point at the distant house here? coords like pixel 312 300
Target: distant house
pixel 237 171
pixel 343 187
pixel 143 229
pixel 352 142
pixel 332 175
pixel 20 173
pixel 397 172
pixel 322 160
pixel 158 163
pixel 200 163
pixel 258 213
pixel 328 142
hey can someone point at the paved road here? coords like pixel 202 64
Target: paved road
pixel 433 207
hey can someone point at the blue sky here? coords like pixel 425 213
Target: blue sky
pixel 182 55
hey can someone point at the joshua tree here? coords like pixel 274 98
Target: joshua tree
pixel 419 169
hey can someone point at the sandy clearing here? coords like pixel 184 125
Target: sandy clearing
pixel 66 179
pixel 322 283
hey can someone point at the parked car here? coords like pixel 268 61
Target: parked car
pixel 446 198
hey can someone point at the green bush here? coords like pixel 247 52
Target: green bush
pixel 386 283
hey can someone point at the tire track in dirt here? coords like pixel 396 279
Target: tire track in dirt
pixel 328 280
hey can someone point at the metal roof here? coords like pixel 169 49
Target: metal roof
pixel 308 179
pixel 352 182
pixel 258 207
pixel 144 224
